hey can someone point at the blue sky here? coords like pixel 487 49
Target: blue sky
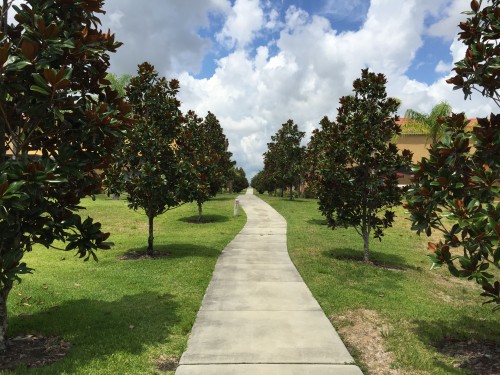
pixel 257 63
pixel 343 15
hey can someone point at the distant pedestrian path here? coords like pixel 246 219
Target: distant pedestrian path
pixel 258 317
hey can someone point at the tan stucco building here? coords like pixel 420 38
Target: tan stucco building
pixel 417 142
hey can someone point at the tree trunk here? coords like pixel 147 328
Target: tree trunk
pixel 3 16
pixel 366 240
pixel 4 293
pixel 150 238
pixel 365 230
pixel 291 191
pixel 200 209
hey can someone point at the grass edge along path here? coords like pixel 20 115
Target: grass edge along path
pixel 124 316
pixel 412 311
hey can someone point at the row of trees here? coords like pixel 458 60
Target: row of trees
pixel 288 164
pixel 351 163
pixel 283 161
pixel 167 158
pixel 63 123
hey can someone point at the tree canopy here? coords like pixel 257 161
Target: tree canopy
pixel 283 160
pixel 148 165
pixel 479 70
pixel 355 161
pixel 205 149
pixel 59 121
pixel 238 179
pixel 456 190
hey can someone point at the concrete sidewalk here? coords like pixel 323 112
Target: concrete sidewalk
pixel 258 316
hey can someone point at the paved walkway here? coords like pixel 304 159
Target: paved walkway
pixel 258 316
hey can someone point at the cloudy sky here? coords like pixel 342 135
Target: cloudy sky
pixel 257 63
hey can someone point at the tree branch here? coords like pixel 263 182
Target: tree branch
pixel 4 14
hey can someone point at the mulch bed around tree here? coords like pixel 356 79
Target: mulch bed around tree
pixel 32 351
pixel 476 357
pixel 165 364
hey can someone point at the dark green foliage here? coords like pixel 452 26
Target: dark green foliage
pixel 355 162
pixel 456 190
pixel 258 182
pixel 149 166
pixel 59 121
pixel 205 149
pixel 283 161
pixel 314 157
pixel 217 152
pixel 239 180
pixel 263 181
pixel 480 68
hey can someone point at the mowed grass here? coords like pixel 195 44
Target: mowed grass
pixel 422 307
pixel 120 316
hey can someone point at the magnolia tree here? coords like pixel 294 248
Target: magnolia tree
pixel 238 179
pixel 205 149
pixel 217 149
pixel 59 121
pixel 270 172
pixel 258 182
pixel 456 190
pixel 148 166
pixel 355 161
pixel 284 158
pixel 315 154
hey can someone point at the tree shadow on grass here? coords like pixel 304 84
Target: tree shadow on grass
pixel 98 329
pixel 222 198
pixel 474 346
pixel 294 200
pixel 380 260
pixel 172 251
pixel 205 219
pixel 317 222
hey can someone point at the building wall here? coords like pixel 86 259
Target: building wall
pixel 417 144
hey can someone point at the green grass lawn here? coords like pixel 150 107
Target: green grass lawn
pixel 120 316
pixel 422 307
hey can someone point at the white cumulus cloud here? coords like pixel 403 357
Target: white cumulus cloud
pixel 242 24
pixel 274 63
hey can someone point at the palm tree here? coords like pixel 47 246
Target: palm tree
pixel 443 109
